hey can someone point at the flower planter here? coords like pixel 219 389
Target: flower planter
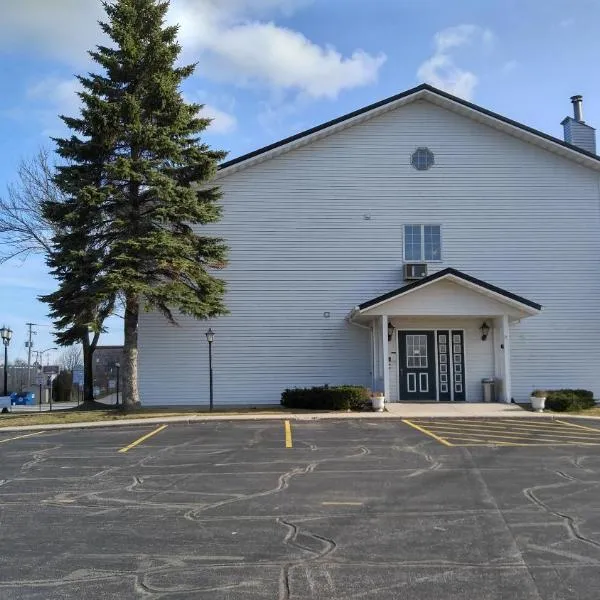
pixel 378 403
pixel 538 404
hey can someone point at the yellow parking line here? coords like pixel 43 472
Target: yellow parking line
pixel 579 426
pixel 288 434
pixel 449 432
pixel 429 433
pixel 501 425
pixel 458 439
pixel 143 438
pixel 20 437
pixel 485 429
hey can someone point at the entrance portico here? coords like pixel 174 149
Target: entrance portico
pixel 437 338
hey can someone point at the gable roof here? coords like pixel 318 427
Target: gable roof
pixel 458 277
pixel 421 92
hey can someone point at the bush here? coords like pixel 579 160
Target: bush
pixel 342 397
pixel 569 400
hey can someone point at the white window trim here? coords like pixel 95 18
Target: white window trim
pixel 422 226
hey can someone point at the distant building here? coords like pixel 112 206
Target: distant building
pixel 105 363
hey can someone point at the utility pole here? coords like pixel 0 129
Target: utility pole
pixel 29 345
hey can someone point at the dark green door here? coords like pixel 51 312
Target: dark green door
pixel 417 365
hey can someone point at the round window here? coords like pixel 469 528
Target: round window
pixel 422 159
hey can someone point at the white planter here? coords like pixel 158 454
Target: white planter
pixel 378 402
pixel 538 404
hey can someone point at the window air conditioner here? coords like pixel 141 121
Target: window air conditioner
pixel 415 271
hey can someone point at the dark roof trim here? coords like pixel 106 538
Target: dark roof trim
pixel 405 94
pixel 440 275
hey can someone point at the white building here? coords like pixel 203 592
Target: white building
pixel 377 249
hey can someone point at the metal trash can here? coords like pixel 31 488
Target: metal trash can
pixel 489 390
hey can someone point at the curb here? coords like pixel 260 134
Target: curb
pixel 199 419
pixel 270 417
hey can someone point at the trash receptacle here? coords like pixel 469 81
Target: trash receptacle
pixel 488 390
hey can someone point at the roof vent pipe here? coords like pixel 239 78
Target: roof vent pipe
pixel 577 108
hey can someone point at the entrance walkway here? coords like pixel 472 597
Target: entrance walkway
pixel 408 410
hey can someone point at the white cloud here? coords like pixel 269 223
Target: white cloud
pixel 509 66
pixel 232 40
pixel 222 122
pixel 60 93
pixel 236 47
pixel 441 70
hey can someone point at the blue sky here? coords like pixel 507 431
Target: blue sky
pixel 269 68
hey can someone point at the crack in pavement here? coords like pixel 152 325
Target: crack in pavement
pixel 291 539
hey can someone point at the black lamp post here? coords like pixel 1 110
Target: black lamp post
pixel 210 336
pixel 118 367
pixel 6 334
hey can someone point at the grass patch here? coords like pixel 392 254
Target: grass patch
pixel 67 416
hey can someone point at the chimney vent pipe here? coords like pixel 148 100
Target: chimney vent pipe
pixel 577 108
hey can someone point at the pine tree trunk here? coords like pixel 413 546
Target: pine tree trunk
pixel 131 397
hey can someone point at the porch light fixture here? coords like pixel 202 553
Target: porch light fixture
pixel 390 331
pixel 485 329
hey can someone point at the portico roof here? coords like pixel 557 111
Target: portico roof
pixel 441 303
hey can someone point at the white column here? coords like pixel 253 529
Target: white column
pixel 385 357
pixel 507 387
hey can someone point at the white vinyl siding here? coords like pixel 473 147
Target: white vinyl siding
pixel 317 229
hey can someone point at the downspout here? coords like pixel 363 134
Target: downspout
pixel 371 349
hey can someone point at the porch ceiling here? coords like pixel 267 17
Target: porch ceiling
pixel 449 293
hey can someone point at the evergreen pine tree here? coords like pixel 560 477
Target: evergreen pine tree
pixel 132 165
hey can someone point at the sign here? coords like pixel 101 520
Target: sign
pixel 40 380
pixel 78 376
pixel 51 370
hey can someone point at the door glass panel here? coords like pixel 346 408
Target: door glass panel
pixel 416 351
pixel 423 382
pixel 411 382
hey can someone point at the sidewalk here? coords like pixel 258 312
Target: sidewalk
pixel 393 411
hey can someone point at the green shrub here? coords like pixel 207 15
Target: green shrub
pixel 569 400
pixel 342 397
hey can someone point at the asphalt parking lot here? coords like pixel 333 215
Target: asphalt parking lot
pixel 353 509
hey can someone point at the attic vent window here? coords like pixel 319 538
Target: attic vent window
pixel 422 159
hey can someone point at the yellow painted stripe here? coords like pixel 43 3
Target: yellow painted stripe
pixel 427 432
pixel 453 433
pixel 143 439
pixel 497 425
pixel 578 426
pixel 560 434
pixel 20 437
pixel 341 503
pixel 458 441
pixel 288 434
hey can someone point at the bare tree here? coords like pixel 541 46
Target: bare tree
pixel 70 358
pixel 23 229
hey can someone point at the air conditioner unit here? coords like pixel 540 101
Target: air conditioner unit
pixel 415 271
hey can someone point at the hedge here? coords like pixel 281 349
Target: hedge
pixel 568 400
pixel 342 397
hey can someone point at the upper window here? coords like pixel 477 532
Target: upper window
pixel 422 159
pixel 422 243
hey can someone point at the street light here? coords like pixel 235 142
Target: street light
pixel 6 334
pixel 210 336
pixel 40 354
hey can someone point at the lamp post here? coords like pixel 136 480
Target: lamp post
pixel 6 334
pixel 40 372
pixel 210 336
pixel 117 366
